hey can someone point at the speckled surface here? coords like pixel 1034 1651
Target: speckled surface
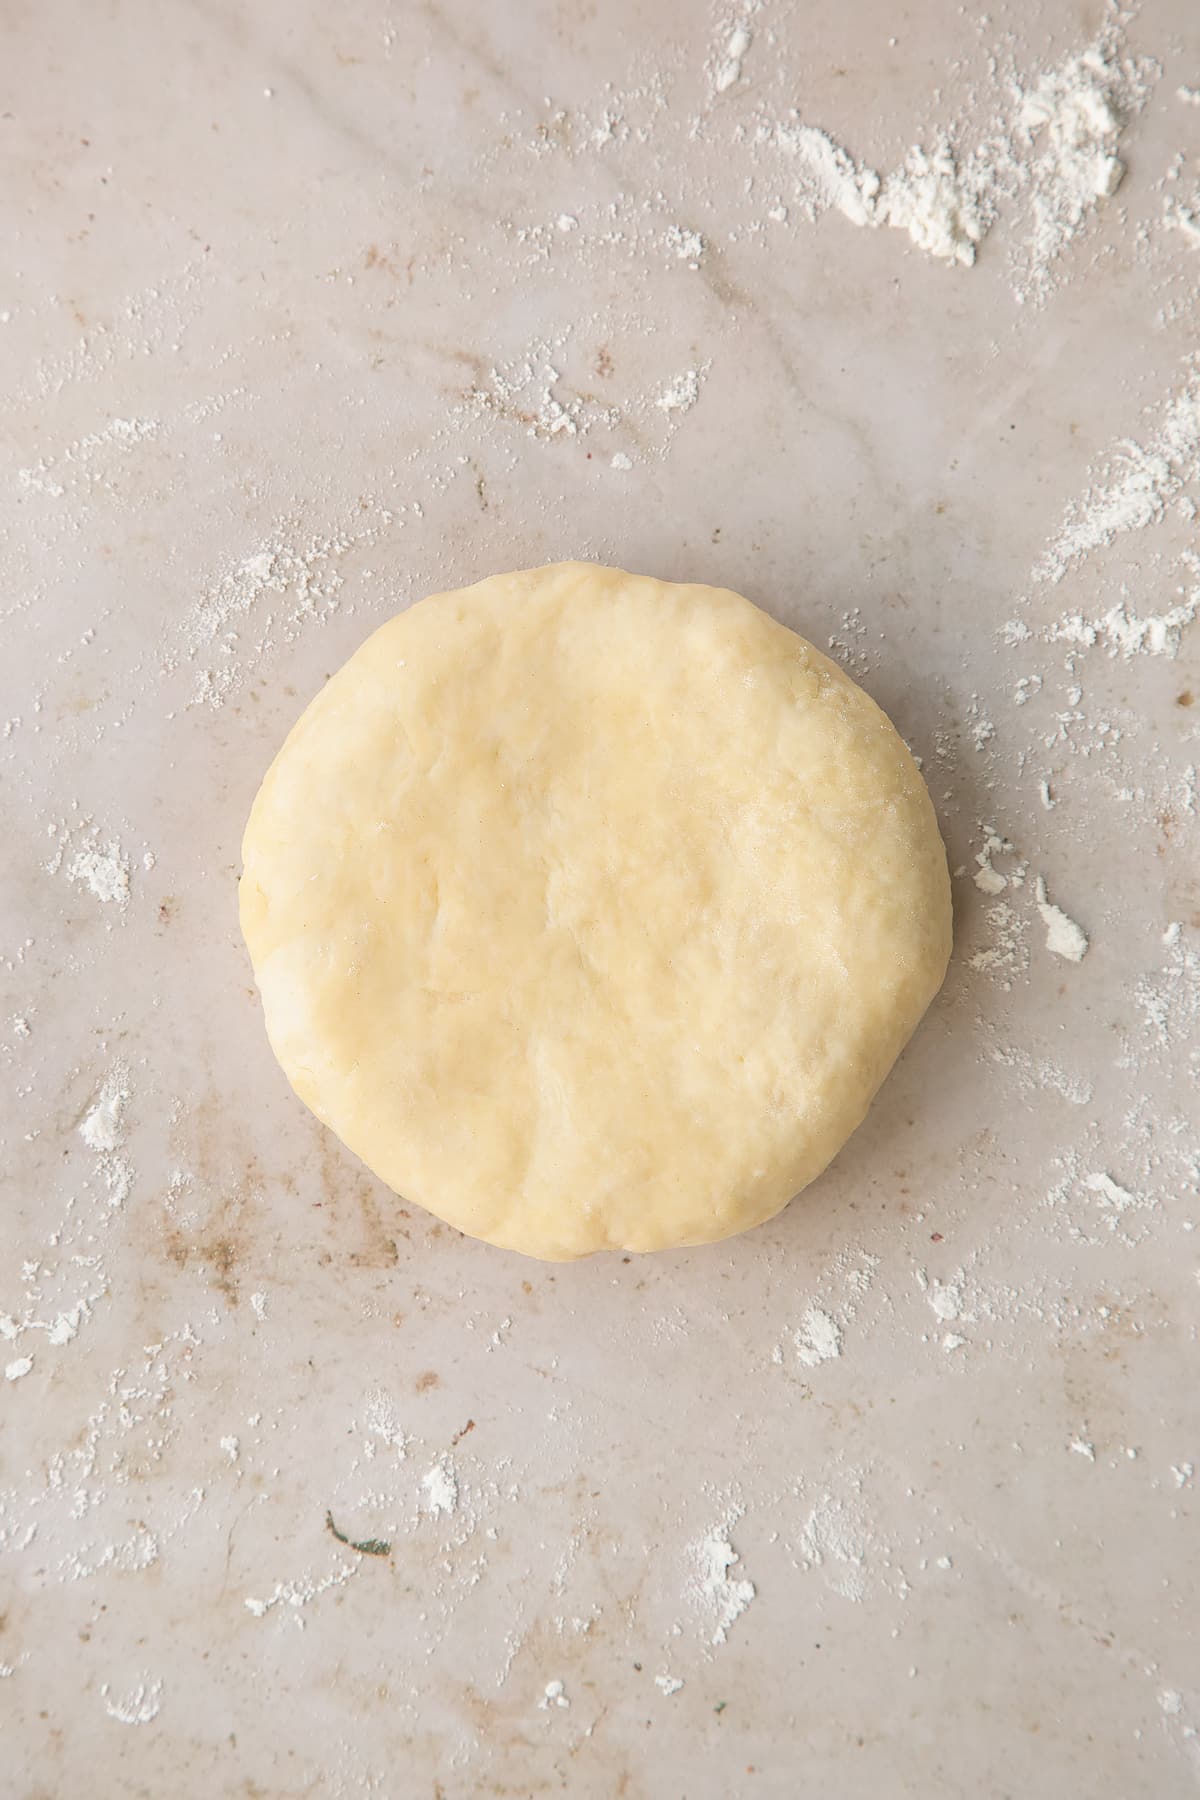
pixel 308 311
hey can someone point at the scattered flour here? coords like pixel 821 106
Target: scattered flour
pixel 1052 146
pixel 724 66
pixel 554 1694
pixel 379 1420
pixel 834 1538
pixel 668 1684
pixel 681 394
pixel 719 1595
pixel 1110 1193
pixel 1063 936
pixel 946 1299
pixel 1071 123
pixel 439 1489
pixel 1127 634
pixel 1133 485
pixel 137 1707
pixel 300 1592
pixel 20 1366
pixel 987 878
pixel 1183 216
pixel 103 871
pixel 818 1338
pixel 1006 955
pixel 103 1131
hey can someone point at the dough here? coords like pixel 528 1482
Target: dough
pixel 590 911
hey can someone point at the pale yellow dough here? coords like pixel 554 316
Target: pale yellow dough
pixel 590 911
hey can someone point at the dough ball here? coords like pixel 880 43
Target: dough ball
pixel 590 911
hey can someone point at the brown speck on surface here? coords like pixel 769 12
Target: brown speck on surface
pixel 429 1378
pixel 1187 698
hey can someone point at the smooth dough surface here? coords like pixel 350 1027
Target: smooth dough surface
pixel 590 911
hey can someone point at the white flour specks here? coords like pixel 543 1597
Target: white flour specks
pixel 300 1592
pixel 379 1422
pixel 1063 936
pixel 554 1694
pixel 987 878
pixel 668 1685
pixel 686 246
pixel 818 1338
pixel 103 870
pixel 439 1488
pixel 1110 1193
pixel 720 1596
pixel 1128 634
pixel 946 1299
pixel 19 1367
pixel 1006 954
pixel 828 178
pixel 834 1539
pixel 1052 145
pixel 1133 485
pixel 138 1706
pixel 52 475
pixel 302 571
pixel 681 394
pixel 102 1129
pixel 936 204
pixel 928 197
pixel 724 66
pixel 1071 121
pixel 1170 1001
pixel 531 390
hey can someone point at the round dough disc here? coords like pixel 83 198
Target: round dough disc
pixel 590 911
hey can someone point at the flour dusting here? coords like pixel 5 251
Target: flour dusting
pixel 439 1488
pixel 1050 152
pixel 138 1706
pixel 818 1338
pixel 1063 936
pixel 1133 485
pixel 103 870
pixel 721 1595
pixel 103 1130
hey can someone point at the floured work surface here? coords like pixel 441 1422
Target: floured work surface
pixel 900 1488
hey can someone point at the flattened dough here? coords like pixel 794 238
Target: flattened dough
pixel 590 911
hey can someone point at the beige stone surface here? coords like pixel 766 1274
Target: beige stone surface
pixel 307 311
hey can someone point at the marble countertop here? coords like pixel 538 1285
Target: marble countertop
pixel 308 311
